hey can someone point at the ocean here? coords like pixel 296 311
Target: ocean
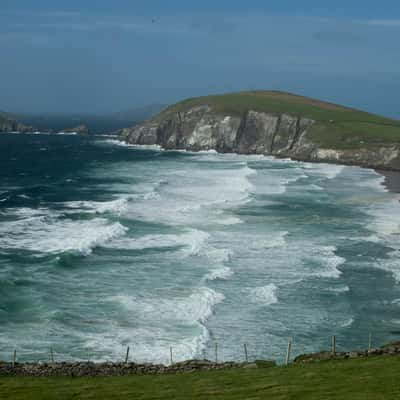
pixel 105 245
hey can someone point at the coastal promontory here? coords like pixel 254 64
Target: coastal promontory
pixel 274 123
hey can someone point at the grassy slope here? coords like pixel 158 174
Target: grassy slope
pixel 350 128
pixel 358 379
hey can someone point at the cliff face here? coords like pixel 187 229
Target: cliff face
pixel 284 135
pixel 8 125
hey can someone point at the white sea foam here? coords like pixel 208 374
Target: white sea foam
pixel 26 213
pixel 229 220
pixel 192 241
pixel 339 289
pixel 265 295
pixel 376 182
pixel 117 206
pixel 347 323
pixel 222 273
pixel 381 224
pixel 329 171
pixel 197 307
pixel 329 261
pixel 268 241
pixel 47 234
pixel 391 264
pixel 276 181
pixel 151 344
pixel 218 255
pixel 371 238
pixel 197 195
pixel 125 144
pixel 315 188
pixel 277 241
pixel 189 312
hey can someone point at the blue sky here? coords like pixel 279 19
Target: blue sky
pixel 99 56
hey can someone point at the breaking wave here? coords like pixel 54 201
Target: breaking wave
pixel 47 234
pixel 190 312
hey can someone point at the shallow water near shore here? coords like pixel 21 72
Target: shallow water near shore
pixel 104 245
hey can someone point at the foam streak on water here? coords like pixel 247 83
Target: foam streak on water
pixel 117 245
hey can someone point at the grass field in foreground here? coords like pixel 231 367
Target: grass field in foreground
pixel 374 378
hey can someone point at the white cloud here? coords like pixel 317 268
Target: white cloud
pixel 384 22
pixel 59 14
pixel 43 14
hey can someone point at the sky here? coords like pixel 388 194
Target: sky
pixel 100 56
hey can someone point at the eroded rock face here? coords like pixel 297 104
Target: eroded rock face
pixel 8 125
pixel 284 135
pixel 201 129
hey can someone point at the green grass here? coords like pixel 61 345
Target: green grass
pixel 358 379
pixel 337 126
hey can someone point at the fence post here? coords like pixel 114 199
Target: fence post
pixel 216 352
pixel 370 342
pixel 289 348
pixel 127 355
pixel 334 346
pixel 170 355
pixel 52 355
pixel 14 358
pixel 245 353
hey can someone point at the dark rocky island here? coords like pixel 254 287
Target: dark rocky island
pixel 10 124
pixel 79 130
pixel 274 123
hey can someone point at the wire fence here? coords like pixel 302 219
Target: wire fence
pixel 246 353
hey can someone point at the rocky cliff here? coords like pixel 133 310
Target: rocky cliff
pixel 9 125
pixel 254 132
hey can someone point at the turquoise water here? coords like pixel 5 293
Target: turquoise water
pixel 104 246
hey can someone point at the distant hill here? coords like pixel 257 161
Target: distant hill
pixel 97 124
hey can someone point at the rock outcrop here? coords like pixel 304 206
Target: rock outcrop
pixel 79 130
pixel 9 125
pixel 282 135
pixel 392 349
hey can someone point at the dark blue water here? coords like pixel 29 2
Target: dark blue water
pixel 104 246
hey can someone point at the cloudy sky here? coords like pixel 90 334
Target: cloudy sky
pixel 103 55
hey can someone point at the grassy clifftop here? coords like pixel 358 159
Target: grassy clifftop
pixel 337 126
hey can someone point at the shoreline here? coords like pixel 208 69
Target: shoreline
pixel 392 180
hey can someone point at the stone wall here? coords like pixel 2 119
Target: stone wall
pixel 113 369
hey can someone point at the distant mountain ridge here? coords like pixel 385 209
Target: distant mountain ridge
pixel 96 124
